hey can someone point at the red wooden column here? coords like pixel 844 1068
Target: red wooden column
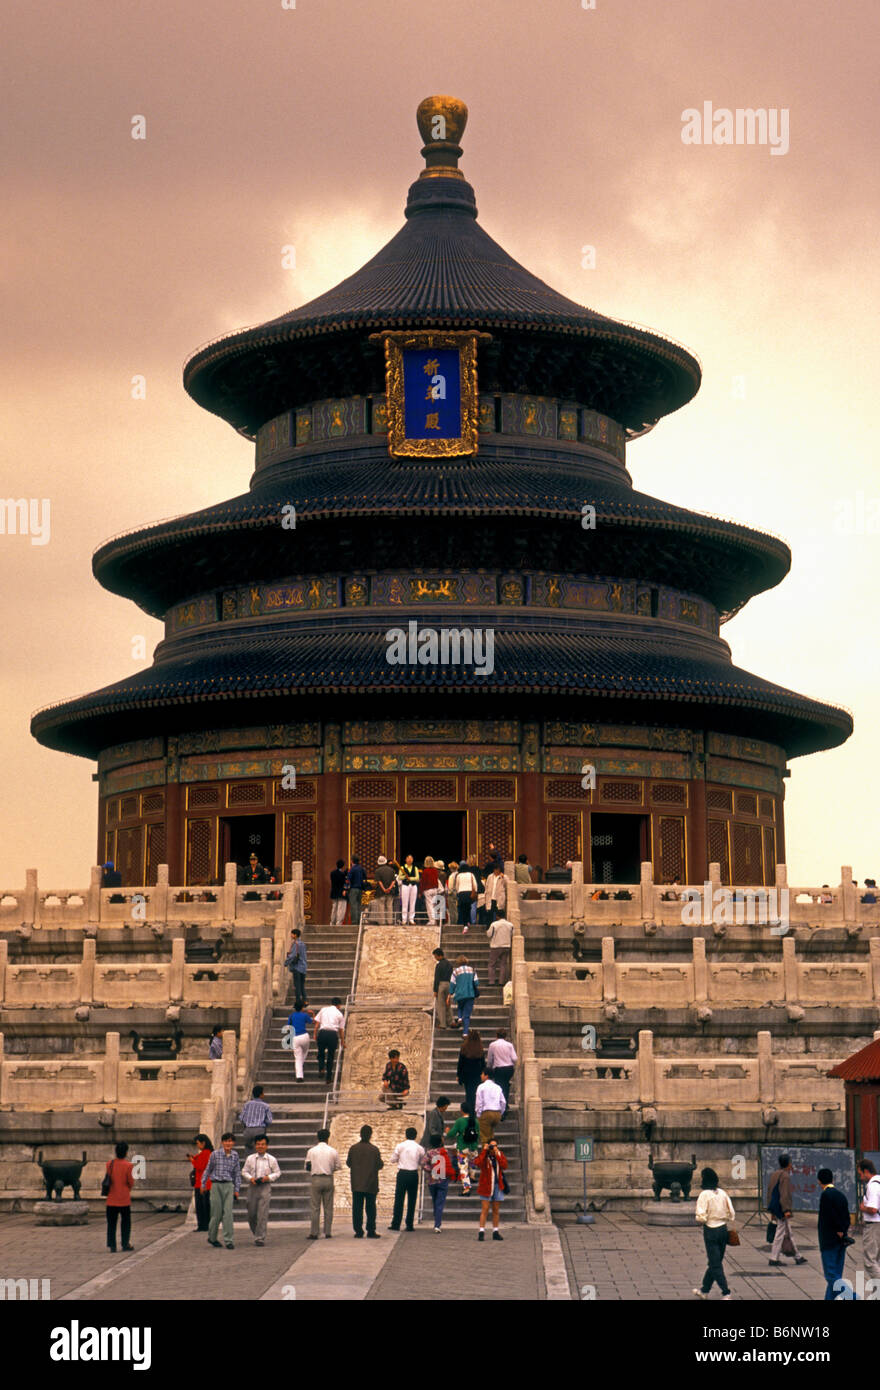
pixel 332 838
pixel 531 833
pixel 174 793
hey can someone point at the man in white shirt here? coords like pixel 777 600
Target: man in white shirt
pixel 870 1209
pixel 322 1162
pixel 408 1156
pixel 501 1060
pixel 329 1033
pixel 489 1108
pixel 500 936
pixel 259 1172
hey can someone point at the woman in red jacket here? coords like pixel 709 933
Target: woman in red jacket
pixel 201 1187
pixel 121 1175
pixel 440 1169
pixel 492 1186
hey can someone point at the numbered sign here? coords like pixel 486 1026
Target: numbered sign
pixel 583 1149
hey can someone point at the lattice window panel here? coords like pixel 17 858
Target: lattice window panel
pixel 495 827
pixel 246 794
pixel 431 789
pixel 299 841
pixel 767 807
pixel 130 854
pixel 155 851
pixel 719 799
pixel 718 847
pixel 128 807
pixel 303 791
pixel 368 837
pixel 769 854
pixel 491 788
pixel 152 803
pixel 622 791
pixel 669 794
pixel 563 789
pixel 203 796
pixel 199 851
pixel 747 857
pixel 564 838
pixel 113 811
pixel 671 849
pixel 372 789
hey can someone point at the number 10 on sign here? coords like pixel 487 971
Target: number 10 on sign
pixel 583 1153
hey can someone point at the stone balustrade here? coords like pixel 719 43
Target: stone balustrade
pixel 531 1105
pixel 105 984
pixel 787 980
pixel 692 1081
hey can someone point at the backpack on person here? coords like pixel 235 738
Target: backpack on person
pixel 774 1202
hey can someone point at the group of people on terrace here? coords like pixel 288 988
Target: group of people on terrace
pixel 402 892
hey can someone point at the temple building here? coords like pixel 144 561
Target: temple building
pixel 441 615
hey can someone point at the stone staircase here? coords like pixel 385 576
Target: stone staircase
pixel 489 1014
pixel 298 1107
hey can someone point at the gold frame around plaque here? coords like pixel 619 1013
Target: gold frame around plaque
pixel 466 345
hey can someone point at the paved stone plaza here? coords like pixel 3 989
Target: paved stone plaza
pixel 614 1259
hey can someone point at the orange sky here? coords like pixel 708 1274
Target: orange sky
pixel 268 127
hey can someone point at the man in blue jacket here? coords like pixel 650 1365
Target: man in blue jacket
pixel 833 1234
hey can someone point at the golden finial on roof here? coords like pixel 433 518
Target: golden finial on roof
pixel 441 123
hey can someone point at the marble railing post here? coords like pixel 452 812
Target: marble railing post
pixel 175 977
pixel 701 971
pixel 265 968
pixel 781 876
pixel 94 898
pixel 577 891
pixel 159 896
pixel 609 970
pixel 531 1105
pixel 646 891
pixel 789 970
pixel 766 1069
pixel 4 958
pixel 715 878
pixel 111 1069
pixel 30 906
pixel 875 965
pixel 647 1084
pixel 848 895
pixel 87 970
pixel 227 896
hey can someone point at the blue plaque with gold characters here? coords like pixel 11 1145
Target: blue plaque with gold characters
pixel 431 393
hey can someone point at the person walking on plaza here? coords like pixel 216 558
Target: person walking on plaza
pixel 255 1116
pixel 714 1210
pixel 470 1068
pixel 408 1155
pixel 429 888
pixel 386 890
pixel 496 895
pixel 408 878
pixel 215 1047
pixel 464 986
pixel 501 1059
pixel 300 1020
pixel 329 1034
pixel 395 1081
pixel 439 1170
pixel 870 1209
pixel 442 976
pixel 201 1190
pixel 322 1162
pixel 120 1174
pixel 464 1138
pixel 435 1124
pixel 833 1226
pixel 467 890
pixel 779 1205
pixel 259 1172
pixel 490 1106
pixel 356 879
pixel 338 900
pixel 492 1186
pixel 223 1173
pixel 500 937
pixel 297 963
pixel 364 1160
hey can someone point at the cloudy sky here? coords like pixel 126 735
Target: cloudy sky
pixel 269 127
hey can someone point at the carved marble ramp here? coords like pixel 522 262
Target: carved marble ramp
pixel 369 1036
pixel 397 965
pixel 389 1128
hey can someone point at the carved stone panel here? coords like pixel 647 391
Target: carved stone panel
pixel 397 961
pixel 389 1128
pixel 369 1034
